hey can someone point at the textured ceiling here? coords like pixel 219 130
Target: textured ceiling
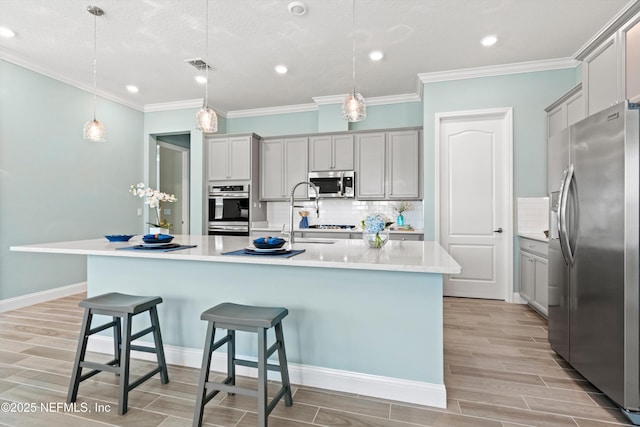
pixel 145 43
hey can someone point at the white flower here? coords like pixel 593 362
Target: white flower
pixel 153 198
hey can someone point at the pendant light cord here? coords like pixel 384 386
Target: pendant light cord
pixel 206 62
pixel 353 43
pixel 95 42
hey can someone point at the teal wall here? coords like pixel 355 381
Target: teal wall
pixel 275 124
pixel 54 186
pixel 528 94
pixel 406 114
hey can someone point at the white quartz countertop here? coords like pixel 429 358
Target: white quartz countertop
pixel 405 256
pixel 535 236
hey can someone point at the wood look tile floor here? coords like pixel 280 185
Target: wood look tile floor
pixel 499 371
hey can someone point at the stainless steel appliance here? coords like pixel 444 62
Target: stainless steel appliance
pixel 333 183
pixel 594 266
pixel 229 210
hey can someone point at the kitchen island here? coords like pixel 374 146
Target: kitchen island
pixel 364 321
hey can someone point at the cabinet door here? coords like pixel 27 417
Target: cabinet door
pixel 541 285
pixel 343 152
pixel 240 158
pixel 602 77
pixel 218 159
pixel 404 165
pixel 295 165
pixel 370 166
pixel 575 109
pixel 556 120
pixel 320 153
pixel 272 170
pixel 632 62
pixel 527 275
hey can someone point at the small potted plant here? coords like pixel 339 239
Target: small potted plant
pixel 154 199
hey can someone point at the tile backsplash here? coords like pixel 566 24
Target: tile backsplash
pixel 533 214
pixel 347 212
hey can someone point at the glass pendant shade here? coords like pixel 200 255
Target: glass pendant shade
pixel 207 120
pixel 354 108
pixel 94 131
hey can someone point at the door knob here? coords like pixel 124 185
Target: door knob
pixel 499 230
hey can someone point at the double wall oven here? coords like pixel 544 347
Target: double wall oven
pixel 229 210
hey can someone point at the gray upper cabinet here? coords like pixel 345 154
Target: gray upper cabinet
pixel 229 158
pixel 388 165
pixel 283 164
pixel 403 166
pixel 632 59
pixel 565 111
pixel 330 152
pixel 370 165
pixel 601 77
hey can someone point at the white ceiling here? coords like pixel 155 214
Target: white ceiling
pixel 145 43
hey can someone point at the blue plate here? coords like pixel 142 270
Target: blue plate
pixel 157 238
pixel 119 237
pixel 268 242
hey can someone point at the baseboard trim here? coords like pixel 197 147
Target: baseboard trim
pixel 416 392
pixel 43 296
pixel 517 299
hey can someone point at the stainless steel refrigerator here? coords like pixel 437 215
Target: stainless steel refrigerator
pixel 594 324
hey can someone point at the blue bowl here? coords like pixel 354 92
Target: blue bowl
pixel 268 242
pixel 157 238
pixel 119 237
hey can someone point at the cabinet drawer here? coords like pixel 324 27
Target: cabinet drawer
pixel 535 247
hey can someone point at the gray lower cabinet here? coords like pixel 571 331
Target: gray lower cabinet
pixel 283 164
pixel 534 267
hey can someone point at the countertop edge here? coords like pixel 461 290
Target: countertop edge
pixel 540 237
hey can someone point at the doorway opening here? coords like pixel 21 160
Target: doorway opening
pixel 173 176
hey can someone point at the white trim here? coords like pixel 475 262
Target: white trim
pixel 498 70
pixel 376 100
pixel 416 392
pixel 285 109
pixel 43 296
pixel 330 99
pixel 517 299
pixel 177 105
pixel 507 114
pixel 80 85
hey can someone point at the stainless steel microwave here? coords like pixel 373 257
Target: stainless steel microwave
pixel 333 183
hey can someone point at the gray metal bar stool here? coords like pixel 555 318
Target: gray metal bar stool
pixel 122 308
pixel 235 317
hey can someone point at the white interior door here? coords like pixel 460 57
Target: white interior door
pixel 173 178
pixel 475 220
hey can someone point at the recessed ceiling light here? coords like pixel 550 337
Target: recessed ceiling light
pixel 489 40
pixel 132 88
pixel 201 79
pixel 7 32
pixel 297 8
pixel 281 69
pixel 376 55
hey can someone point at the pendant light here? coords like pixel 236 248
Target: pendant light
pixel 94 129
pixel 206 118
pixel 354 108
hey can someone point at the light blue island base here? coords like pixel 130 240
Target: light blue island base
pixel 375 333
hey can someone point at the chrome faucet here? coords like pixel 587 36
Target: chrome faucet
pixel 293 206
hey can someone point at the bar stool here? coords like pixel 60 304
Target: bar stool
pixel 122 308
pixel 235 317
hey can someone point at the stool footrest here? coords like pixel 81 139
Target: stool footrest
pixel 220 343
pixel 251 364
pixel 275 399
pixel 143 348
pixel 108 367
pixel 141 333
pixel 101 328
pixel 231 389
pixel 142 379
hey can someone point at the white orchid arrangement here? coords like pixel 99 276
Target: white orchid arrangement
pixel 154 199
pixel 403 206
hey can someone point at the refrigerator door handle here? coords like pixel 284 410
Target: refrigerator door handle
pixel 562 217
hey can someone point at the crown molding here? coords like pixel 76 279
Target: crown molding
pixel 176 105
pixel 329 99
pixel 299 108
pixel 498 70
pixel 393 99
pixel 7 56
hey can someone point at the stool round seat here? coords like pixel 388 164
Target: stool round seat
pixel 121 303
pixel 245 315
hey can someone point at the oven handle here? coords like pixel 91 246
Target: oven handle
pixel 228 228
pixel 229 195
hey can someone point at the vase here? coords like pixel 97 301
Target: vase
pixel 158 230
pixel 400 220
pixel 376 240
pixel 304 222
